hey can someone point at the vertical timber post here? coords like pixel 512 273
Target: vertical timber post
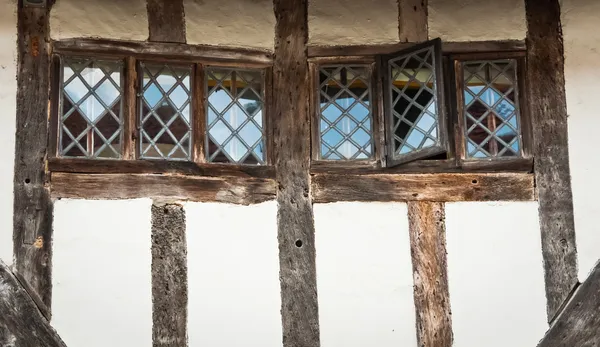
pixel 166 21
pixel 296 231
pixel 412 20
pixel 548 107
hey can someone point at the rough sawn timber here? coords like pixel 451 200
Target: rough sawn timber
pixel 169 276
pixel 21 322
pixel 295 224
pixel 412 20
pixel 166 20
pixel 430 273
pixel 548 109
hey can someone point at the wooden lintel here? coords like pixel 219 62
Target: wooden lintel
pixel 233 190
pixel 412 20
pixel 423 187
pixel 166 21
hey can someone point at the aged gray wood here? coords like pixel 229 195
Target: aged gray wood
pixel 578 324
pixel 32 206
pixel 430 273
pixel 233 190
pixel 169 276
pixel 423 187
pixel 412 20
pixel 296 231
pixel 548 109
pixel 21 323
pixel 166 20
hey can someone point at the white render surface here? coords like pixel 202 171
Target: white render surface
pixel 109 19
pixel 8 100
pixel 351 22
pixel 101 276
pixel 582 75
pixel 477 20
pixel 241 23
pixel 233 275
pixel 364 275
pixel 495 274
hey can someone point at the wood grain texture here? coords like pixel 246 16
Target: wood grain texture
pixel 32 205
pixel 130 110
pixel 295 224
pixel 166 21
pixel 169 276
pixel 423 187
pixel 243 191
pixel 548 109
pixel 412 20
pixel 430 273
pixel 578 324
pixel 21 323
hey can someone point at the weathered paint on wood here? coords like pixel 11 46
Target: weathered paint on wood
pixel 412 20
pixel 169 276
pixel 234 190
pixel 296 231
pixel 166 21
pixel 430 273
pixel 548 109
pixel 423 187
pixel 32 205
pixel 21 323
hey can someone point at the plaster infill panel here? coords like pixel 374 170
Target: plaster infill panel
pixel 495 273
pixel 108 19
pixel 8 97
pixel 351 22
pixel 477 20
pixel 364 275
pixel 101 272
pixel 233 275
pixel 240 23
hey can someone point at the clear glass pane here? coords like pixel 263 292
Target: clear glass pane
pixel 91 113
pixel 345 111
pixel 165 112
pixel 491 111
pixel 234 116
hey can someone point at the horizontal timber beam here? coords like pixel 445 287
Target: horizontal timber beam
pixel 243 191
pixel 423 187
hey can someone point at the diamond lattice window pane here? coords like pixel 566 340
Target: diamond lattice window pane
pixel 345 112
pixel 235 116
pixel 491 110
pixel 165 124
pixel 91 119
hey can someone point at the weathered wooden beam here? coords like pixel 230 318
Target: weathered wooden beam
pixel 166 21
pixel 578 324
pixel 169 276
pixel 235 190
pixel 295 224
pixel 412 20
pixel 21 322
pixel 423 187
pixel 430 273
pixel 32 216
pixel 548 109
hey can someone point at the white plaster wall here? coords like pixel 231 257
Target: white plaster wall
pixel 233 275
pixel 364 275
pixel 101 277
pixel 111 19
pixel 351 22
pixel 582 75
pixel 495 274
pixel 243 23
pixel 477 20
pixel 8 99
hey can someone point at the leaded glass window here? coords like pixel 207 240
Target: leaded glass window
pixel 91 119
pixel 416 120
pixel 235 119
pixel 491 109
pixel 345 112
pixel 165 106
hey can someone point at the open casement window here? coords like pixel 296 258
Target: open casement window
pixel 414 103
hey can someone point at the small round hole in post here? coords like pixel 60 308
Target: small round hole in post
pixel 299 243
